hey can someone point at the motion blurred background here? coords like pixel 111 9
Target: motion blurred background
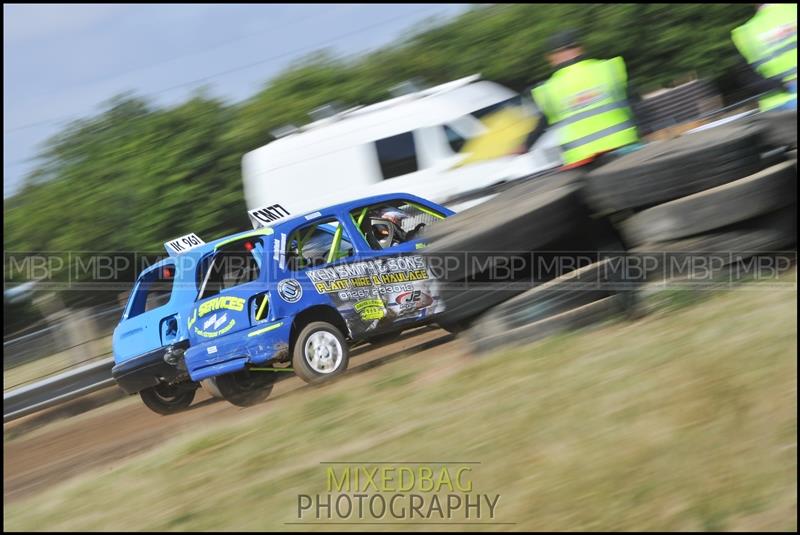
pixel 125 125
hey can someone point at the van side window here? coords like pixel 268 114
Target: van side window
pixel 488 110
pixel 397 155
pixel 312 245
pixel 454 139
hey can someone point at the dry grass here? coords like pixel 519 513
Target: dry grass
pixel 683 420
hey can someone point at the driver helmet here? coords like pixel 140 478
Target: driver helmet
pixel 395 218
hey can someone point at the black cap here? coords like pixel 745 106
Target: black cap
pixel 563 39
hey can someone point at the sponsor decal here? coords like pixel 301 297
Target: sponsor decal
pixel 220 303
pixel 215 325
pixel 370 309
pixel 313 216
pixel 213 334
pixel 374 294
pixel 368 274
pixel 211 350
pixel 413 300
pixel 290 290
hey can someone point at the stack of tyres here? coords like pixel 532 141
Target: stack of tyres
pixel 705 194
pixel 575 299
pixel 675 106
pixel 528 237
pixel 780 128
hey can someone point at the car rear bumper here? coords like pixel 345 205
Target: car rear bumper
pixel 146 370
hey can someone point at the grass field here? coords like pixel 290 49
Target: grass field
pixel 685 419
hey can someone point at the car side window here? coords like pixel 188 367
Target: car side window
pixel 317 244
pixel 233 264
pixel 392 223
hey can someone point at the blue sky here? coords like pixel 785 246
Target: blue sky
pixel 62 62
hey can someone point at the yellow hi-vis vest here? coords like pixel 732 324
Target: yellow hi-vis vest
pixel 768 42
pixel 587 102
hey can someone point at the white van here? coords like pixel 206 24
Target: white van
pixel 410 143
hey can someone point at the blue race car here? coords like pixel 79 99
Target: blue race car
pixel 151 336
pixel 294 293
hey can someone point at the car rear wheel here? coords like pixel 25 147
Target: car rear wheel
pixel 211 387
pixel 386 338
pixel 167 399
pixel 320 352
pixel 244 388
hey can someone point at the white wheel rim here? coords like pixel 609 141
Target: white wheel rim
pixel 323 352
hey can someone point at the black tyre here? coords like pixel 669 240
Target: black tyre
pixel 743 199
pixel 667 170
pixel 780 127
pixel 769 233
pixel 581 243
pixel 386 338
pixel 504 223
pixel 244 388
pixel 320 353
pixel 454 327
pixel 211 387
pixel 527 316
pixel 490 332
pixel 467 251
pixel 167 399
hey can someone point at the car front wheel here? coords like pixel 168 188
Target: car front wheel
pixel 320 352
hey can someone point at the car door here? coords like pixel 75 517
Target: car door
pixel 150 317
pixel 320 258
pixel 233 292
pixel 404 283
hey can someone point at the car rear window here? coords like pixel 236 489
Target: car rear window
pixel 153 290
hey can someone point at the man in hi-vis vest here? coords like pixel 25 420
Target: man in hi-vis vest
pixel 586 99
pixel 768 42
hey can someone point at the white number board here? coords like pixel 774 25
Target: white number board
pixel 183 244
pixel 267 215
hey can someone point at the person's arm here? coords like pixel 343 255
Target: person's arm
pixel 634 97
pixel 541 125
pixel 528 94
pixel 752 82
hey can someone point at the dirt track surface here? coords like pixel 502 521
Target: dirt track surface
pixel 44 449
